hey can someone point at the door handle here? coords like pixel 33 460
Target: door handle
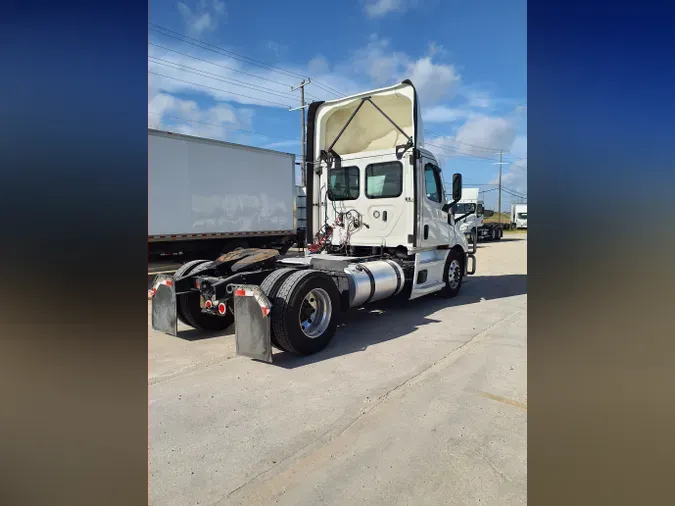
pixel 426 231
pixel 384 215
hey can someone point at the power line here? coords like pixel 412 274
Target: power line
pixel 468 144
pixel 218 89
pixel 327 88
pixel 218 65
pixel 458 151
pixel 237 56
pixel 228 80
pixel 223 52
pixel 222 125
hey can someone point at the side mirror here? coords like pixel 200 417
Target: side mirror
pixel 456 187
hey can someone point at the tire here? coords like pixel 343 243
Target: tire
pixel 270 286
pixel 493 234
pixel 188 305
pixel 184 270
pixel 451 289
pixel 293 299
pixel 500 233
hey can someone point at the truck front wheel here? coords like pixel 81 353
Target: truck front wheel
pixel 452 275
pixel 305 312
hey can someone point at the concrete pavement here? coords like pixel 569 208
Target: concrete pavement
pixel 421 402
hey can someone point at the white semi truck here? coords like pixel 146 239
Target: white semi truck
pixel 207 197
pixel 379 226
pixel 519 215
pixel 469 213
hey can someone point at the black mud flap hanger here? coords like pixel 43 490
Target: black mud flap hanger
pixel 252 326
pixel 164 311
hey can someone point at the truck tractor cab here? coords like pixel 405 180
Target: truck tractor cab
pixel 519 215
pixel 468 214
pixel 378 225
pixel 374 188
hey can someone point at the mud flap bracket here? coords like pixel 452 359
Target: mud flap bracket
pixel 253 329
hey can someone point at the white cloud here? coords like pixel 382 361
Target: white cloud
pixel 443 114
pixel 515 174
pixel 379 8
pixel 383 66
pixel 480 136
pixel 479 99
pixel 203 17
pixel 281 145
pixel 489 132
pixel 186 116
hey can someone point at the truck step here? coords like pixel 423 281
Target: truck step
pixel 431 262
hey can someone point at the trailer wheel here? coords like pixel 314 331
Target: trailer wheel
pixel 493 233
pixel 189 307
pixel 452 275
pixel 305 312
pixel 184 270
pixel 270 286
pixel 500 233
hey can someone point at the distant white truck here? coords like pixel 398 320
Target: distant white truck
pixel 469 213
pixel 207 197
pixel 519 215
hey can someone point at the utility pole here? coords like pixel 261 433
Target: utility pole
pixel 499 196
pixel 301 87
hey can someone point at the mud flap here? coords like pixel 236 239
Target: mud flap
pixel 164 311
pixel 253 330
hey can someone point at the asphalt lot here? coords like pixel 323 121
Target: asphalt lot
pixel 421 402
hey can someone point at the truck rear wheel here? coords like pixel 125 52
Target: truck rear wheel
pixel 270 286
pixel 500 233
pixel 184 270
pixel 305 312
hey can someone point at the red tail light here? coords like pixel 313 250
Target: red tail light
pixel 221 308
pixel 208 304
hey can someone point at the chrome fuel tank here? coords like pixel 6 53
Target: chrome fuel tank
pixel 371 281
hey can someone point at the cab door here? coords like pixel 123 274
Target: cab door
pixel 431 199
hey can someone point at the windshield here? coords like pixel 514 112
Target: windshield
pixel 522 216
pixel 464 208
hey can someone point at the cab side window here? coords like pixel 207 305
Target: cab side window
pixel 432 184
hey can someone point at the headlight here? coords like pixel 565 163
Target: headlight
pixel 464 227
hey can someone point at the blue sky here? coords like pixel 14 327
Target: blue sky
pixel 468 61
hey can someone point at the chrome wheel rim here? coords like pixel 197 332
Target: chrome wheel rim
pixel 316 311
pixel 454 274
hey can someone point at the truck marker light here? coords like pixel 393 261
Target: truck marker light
pixel 265 310
pixel 221 308
pixel 240 292
pixel 208 304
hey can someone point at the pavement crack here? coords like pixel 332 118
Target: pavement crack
pixel 380 400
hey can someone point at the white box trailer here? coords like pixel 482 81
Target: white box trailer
pixel 207 197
